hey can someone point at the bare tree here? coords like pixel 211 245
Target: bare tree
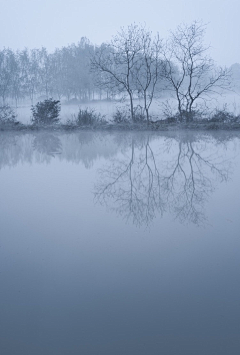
pixel 32 73
pixel 8 69
pixel 130 65
pixel 190 73
pixel 149 69
pixel 45 71
pixel 19 84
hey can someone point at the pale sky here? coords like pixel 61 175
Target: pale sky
pixel 57 23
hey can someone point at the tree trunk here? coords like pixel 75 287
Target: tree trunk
pixel 131 106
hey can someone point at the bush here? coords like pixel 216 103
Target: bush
pixel 122 115
pixel 7 115
pixel 46 112
pixel 223 116
pixel 187 116
pixel 184 116
pixel 88 117
pixel 139 116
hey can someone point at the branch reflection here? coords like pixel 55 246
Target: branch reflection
pixel 141 175
pixel 147 180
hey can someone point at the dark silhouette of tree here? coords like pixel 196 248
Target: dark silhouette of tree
pixel 46 112
pixel 191 74
pixel 149 70
pixel 130 65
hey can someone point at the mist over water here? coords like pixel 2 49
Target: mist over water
pixel 119 243
pixel 108 108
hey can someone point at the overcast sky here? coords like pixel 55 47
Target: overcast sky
pixel 56 23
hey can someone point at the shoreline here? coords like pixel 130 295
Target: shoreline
pixel 152 126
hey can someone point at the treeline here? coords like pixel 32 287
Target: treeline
pixel 135 64
pixel 65 73
pixel 35 74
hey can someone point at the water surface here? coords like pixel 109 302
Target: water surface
pixel 121 243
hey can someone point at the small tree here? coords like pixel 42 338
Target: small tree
pixel 88 117
pixel 129 65
pixel 189 72
pixel 7 115
pixel 46 112
pixel 148 69
pixel 116 61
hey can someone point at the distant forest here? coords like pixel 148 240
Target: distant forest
pixel 70 73
pixel 35 73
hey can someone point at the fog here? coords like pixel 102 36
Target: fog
pixel 119 243
pixel 108 109
pixel 136 68
pixel 52 24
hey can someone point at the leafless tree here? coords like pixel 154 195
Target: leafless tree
pixel 149 69
pixel 8 68
pixel 130 65
pixel 191 74
pixel 116 61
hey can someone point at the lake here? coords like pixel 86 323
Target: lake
pixel 119 243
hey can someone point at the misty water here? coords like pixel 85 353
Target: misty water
pixel 119 243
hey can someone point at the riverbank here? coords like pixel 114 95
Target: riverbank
pixel 152 126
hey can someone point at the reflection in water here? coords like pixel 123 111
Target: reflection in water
pixel 190 178
pixel 47 143
pixel 152 179
pixel 145 174
pixel 76 280
pixel 133 184
pixel 42 147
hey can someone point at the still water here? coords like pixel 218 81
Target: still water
pixel 119 243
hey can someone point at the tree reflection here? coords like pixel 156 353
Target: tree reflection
pixel 189 179
pixel 177 177
pixel 47 143
pixel 44 146
pixel 145 175
pixel 12 150
pixel 133 185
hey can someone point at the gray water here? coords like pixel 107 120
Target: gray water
pixel 121 243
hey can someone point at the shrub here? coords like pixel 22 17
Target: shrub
pixel 122 115
pixel 7 115
pixel 187 116
pixel 46 112
pixel 223 116
pixel 184 116
pixel 139 116
pixel 88 117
